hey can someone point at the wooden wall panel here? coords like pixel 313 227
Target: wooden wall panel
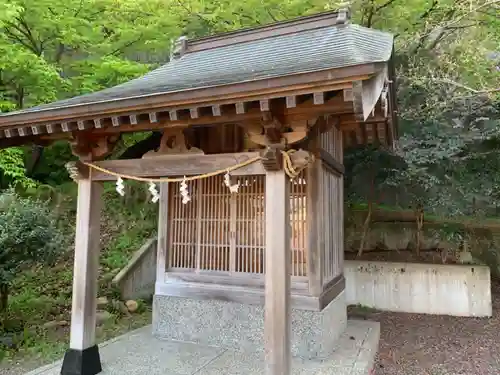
pixel 330 225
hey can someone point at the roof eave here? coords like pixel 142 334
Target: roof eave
pixel 211 94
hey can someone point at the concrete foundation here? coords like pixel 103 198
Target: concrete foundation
pixel 241 327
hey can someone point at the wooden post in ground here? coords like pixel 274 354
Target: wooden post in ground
pixel 277 325
pixel 82 357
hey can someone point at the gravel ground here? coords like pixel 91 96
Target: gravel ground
pixel 417 344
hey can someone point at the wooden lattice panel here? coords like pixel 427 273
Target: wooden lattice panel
pixel 213 242
pixel 224 232
pixel 250 218
pixel 298 212
pixel 183 229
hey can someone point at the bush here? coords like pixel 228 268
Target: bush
pixel 28 235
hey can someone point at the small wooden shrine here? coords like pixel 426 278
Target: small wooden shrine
pixel 250 175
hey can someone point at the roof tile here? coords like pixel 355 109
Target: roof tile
pixel 300 52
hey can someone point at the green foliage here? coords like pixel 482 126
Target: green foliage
pixel 449 108
pixel 51 166
pixel 133 208
pixel 447 69
pixel 12 168
pixel 106 72
pixel 28 234
pixel 41 293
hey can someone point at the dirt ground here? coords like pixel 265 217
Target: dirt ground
pixel 417 344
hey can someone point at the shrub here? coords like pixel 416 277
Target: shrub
pixel 28 235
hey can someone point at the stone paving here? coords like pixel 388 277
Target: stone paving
pixel 138 353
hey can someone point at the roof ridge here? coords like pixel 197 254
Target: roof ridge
pixel 314 21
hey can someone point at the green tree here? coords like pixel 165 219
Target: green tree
pixel 447 60
pixel 28 235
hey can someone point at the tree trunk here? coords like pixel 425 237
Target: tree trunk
pixel 36 156
pixel 4 297
pixel 366 227
pixel 420 223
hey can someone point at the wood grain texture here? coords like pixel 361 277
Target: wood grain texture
pixel 245 91
pixel 313 229
pixel 86 268
pixel 277 320
pixel 331 291
pixel 163 232
pixel 178 165
pixel 299 299
pixel 331 163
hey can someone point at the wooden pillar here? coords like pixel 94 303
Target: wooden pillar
pixel 277 326
pixel 161 255
pixel 315 239
pixel 82 357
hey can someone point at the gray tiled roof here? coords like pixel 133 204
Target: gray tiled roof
pixel 300 52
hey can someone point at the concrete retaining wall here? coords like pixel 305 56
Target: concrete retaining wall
pixel 459 290
pixel 137 279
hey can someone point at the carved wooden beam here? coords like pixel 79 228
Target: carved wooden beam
pixel 173 141
pixel 93 148
pixel 176 165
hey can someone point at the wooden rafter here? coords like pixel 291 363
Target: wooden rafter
pixel 288 117
pixel 325 80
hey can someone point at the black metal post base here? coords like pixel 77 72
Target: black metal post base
pixel 82 362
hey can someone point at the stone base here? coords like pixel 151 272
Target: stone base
pixel 237 326
pixel 82 362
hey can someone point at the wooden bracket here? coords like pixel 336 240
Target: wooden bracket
pixel 272 127
pixel 173 142
pixel 93 148
pixel 272 159
pixel 271 131
pixel 298 132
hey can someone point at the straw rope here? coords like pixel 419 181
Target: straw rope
pixel 287 164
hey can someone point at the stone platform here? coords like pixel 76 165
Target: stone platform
pixel 233 325
pixel 139 353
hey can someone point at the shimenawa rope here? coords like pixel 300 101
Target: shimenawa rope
pixel 288 167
